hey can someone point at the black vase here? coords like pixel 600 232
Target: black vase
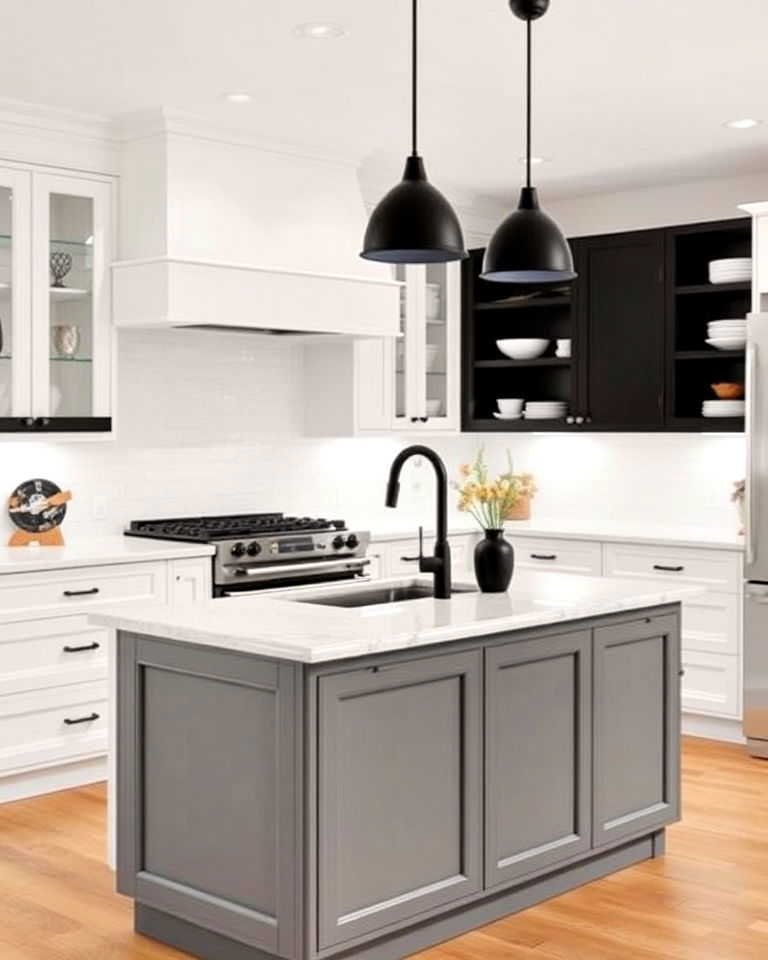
pixel 494 562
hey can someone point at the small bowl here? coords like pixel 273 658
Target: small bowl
pixel 434 408
pixel 510 407
pixel 523 349
pixel 728 391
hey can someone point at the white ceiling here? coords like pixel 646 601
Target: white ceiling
pixel 628 93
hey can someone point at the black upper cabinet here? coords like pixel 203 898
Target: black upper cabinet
pixel 637 317
pixel 619 315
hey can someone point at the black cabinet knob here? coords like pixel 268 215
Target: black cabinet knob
pixel 254 549
pixel 238 550
pixel 352 541
pixel 338 543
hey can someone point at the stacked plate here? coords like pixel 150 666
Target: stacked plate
pixel 722 408
pixel 733 270
pixel 727 334
pixel 545 410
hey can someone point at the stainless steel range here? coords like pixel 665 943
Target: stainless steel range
pixel 260 551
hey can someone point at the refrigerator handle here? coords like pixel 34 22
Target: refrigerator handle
pixel 751 389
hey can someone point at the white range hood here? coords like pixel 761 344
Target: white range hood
pixel 230 234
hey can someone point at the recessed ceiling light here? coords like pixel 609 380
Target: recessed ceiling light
pixel 743 123
pixel 238 97
pixel 320 30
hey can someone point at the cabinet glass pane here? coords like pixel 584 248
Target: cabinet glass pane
pixel 400 352
pixel 71 305
pixel 437 341
pixel 6 304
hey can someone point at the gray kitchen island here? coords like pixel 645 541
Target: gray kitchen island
pixel 303 780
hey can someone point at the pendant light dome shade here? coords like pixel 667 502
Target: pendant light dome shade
pixel 414 223
pixel 528 247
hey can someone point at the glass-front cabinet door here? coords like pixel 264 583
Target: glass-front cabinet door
pixel 15 299
pixel 71 352
pixel 427 371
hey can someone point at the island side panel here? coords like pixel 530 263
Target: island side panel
pixel 209 790
pixel 637 727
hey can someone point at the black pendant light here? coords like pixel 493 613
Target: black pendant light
pixel 528 247
pixel 414 223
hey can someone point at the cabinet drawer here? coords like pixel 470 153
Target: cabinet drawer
pixel 564 556
pixel 707 568
pixel 34 731
pixel 396 566
pixel 33 595
pixel 712 623
pixel 37 654
pixel 711 684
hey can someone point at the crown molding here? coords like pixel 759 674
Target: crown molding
pixel 164 122
pixel 34 133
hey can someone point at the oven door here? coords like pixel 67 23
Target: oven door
pixel 278 576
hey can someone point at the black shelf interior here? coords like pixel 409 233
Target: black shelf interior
pixel 517 364
pixel 535 303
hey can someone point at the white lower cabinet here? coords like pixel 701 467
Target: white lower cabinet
pixel 712 621
pixel 399 558
pixel 54 665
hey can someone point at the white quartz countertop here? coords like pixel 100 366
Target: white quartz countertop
pixel 618 531
pixel 96 551
pixel 275 626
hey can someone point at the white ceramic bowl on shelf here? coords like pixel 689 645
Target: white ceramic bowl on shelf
pixel 510 407
pixel 728 343
pixel 730 270
pixel 434 408
pixel 432 352
pixel 523 348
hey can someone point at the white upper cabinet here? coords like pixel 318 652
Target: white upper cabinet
pixel 56 358
pixel 409 383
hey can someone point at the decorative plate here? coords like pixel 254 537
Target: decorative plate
pixel 30 507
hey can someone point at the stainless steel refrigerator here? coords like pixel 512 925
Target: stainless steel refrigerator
pixel 756 539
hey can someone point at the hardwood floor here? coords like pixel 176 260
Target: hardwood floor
pixel 707 899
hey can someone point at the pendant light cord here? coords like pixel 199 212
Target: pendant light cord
pixel 529 75
pixel 414 78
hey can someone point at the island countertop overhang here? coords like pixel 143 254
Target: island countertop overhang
pixel 281 627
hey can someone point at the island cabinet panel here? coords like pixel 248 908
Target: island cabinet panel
pixel 637 719
pixel 538 728
pixel 399 767
pixel 210 790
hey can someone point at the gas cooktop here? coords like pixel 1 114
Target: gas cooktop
pixel 211 529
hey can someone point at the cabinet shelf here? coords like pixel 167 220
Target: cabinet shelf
pixel 709 354
pixel 68 293
pixel 513 364
pixel 743 287
pixel 561 300
pixel 77 246
pixel 71 360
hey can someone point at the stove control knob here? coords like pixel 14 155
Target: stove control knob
pixel 338 543
pixel 254 549
pixel 238 549
pixel 352 541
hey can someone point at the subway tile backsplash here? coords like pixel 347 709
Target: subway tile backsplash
pixel 212 423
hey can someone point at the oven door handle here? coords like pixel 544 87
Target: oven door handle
pixel 261 592
pixel 310 567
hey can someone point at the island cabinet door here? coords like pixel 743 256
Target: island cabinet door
pixel 637 727
pixel 538 754
pixel 399 818
pixel 209 799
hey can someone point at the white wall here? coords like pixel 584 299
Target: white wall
pixel 212 422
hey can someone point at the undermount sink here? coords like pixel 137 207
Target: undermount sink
pixel 373 596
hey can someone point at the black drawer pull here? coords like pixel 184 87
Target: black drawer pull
pixel 81 593
pixel 543 556
pixel 89 719
pixel 87 646
pixel 681 672
pixel 660 566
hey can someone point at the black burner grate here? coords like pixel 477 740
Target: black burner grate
pixel 205 529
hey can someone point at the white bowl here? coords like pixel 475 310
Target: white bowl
pixel 727 343
pixel 523 349
pixel 434 408
pixel 432 351
pixel 510 407
pixel 507 416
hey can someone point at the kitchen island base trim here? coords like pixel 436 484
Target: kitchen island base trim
pixel 345 797
pixel 210 945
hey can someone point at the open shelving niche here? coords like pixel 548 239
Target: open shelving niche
pixel 490 375
pixel 692 303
